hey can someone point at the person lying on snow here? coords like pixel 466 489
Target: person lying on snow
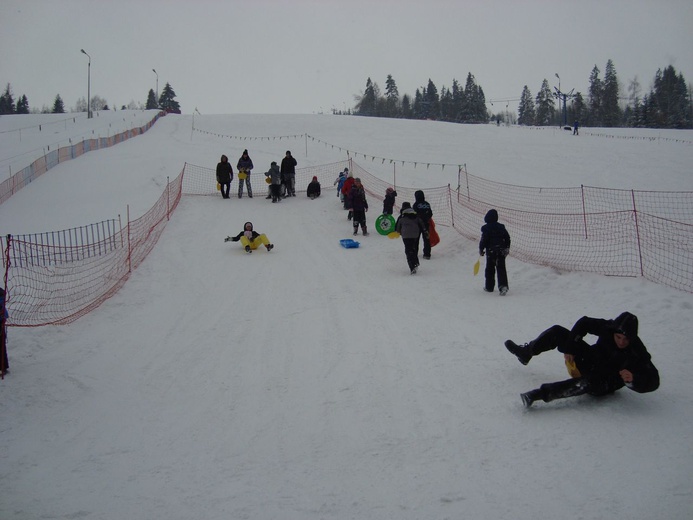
pixel 617 359
pixel 251 239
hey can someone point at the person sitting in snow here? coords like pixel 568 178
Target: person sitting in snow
pixel 617 359
pixel 251 239
pixel 313 188
pixel 389 201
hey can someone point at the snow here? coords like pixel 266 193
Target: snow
pixel 328 383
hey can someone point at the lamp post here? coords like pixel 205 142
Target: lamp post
pixel 88 85
pixel 156 94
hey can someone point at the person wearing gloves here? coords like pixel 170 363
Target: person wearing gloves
pixel 410 227
pixel 245 164
pixel 251 239
pixel 495 244
pixel 618 358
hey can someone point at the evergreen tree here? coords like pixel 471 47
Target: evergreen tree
pixel 671 100
pixel 367 105
pixel 392 97
pixel 23 105
pixel 419 110
pixel 545 106
pixel 167 100
pixel 594 115
pixel 457 101
pixel 611 112
pixel 525 111
pixel 58 106
pixel 447 106
pixel 406 108
pixel 7 101
pixel 578 110
pixel 151 100
pixel 432 101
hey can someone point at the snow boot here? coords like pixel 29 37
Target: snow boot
pixel 523 353
pixel 270 247
pixel 503 290
pixel 248 250
pixel 529 397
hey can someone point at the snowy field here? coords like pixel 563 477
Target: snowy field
pixel 315 382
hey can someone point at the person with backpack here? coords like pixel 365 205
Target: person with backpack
pixel 410 227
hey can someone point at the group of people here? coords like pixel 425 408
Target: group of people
pixel 281 179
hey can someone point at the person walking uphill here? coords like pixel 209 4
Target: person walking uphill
pixel 495 243
pixel 617 359
pixel 224 176
pixel 359 206
pixel 423 209
pixel 245 164
pixel 288 171
pixel 410 227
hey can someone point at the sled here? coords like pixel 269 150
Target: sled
pixel 393 235
pixel 385 224
pixel 477 265
pixel 433 237
pixel 242 175
pixel 218 186
pixel 572 368
pixel 348 243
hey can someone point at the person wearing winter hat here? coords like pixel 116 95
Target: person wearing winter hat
pixel 495 244
pixel 313 190
pixel 358 205
pixel 251 239
pixel 410 227
pixel 245 164
pixel 224 176
pixel 346 188
pixel 339 182
pixel 274 176
pixel 618 358
pixel 389 201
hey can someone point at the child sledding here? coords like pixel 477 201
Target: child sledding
pixel 251 239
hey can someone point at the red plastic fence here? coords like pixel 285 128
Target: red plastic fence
pixel 610 232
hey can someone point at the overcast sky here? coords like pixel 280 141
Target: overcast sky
pixel 307 56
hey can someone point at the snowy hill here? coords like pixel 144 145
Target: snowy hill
pixel 318 382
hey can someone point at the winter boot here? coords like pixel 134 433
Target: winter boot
pixel 503 290
pixel 248 250
pixel 529 397
pixel 523 353
pixel 365 231
pixel 562 389
pixel 270 247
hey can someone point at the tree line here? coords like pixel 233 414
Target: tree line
pixel 668 104
pixel 166 101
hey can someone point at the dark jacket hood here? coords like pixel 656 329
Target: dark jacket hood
pixel 627 324
pixel 419 196
pixel 491 216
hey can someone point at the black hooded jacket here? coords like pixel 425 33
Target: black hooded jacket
pixel 494 236
pixel 605 360
pixel 422 208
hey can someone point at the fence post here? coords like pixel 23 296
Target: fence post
pixel 452 216
pixel 129 244
pixel 584 213
pixel 637 232
pixel 168 198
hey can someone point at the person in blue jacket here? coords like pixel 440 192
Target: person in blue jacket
pixel 618 358
pixel 495 244
pixel 245 164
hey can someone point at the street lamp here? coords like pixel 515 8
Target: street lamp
pixel 156 94
pixel 88 85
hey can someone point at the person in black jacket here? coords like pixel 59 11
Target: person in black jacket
pixel 617 359
pixel 288 170
pixel 245 165
pixel 389 201
pixel 224 176
pixel 425 213
pixel 251 239
pixel 495 243
pixel 313 190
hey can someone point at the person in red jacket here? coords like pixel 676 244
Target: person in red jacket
pixel 346 188
pixel 617 359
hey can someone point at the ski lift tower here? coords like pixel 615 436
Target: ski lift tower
pixel 563 96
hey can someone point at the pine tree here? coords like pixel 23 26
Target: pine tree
pixel 366 106
pixel 392 97
pixel 611 112
pixel 151 100
pixel 432 101
pixel 672 104
pixel 167 100
pixel 525 111
pixel 58 106
pixel 7 101
pixel 447 106
pixel 545 106
pixel 406 107
pixel 23 105
pixel 457 101
pixel 594 115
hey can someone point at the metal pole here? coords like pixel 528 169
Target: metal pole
pixel 156 93
pixel 88 85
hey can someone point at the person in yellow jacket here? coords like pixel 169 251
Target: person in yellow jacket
pixel 251 239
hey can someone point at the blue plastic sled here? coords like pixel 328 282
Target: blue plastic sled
pixel 348 243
